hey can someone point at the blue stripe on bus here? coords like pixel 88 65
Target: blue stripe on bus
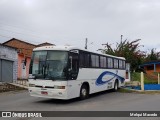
pixel 99 80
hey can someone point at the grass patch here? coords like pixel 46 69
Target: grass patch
pixel 124 90
pixel 148 79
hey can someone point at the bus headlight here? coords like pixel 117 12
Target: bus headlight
pixel 59 87
pixel 31 85
pixel 31 76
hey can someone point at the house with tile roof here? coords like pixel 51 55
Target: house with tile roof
pixel 151 67
pixel 24 50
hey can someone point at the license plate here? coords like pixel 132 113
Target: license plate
pixel 44 92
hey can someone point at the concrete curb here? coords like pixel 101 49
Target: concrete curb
pixel 18 85
pixel 141 91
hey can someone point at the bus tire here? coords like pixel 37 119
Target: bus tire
pixel 115 86
pixel 84 92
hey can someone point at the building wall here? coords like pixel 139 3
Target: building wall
pixel 151 71
pixel 158 68
pixel 27 66
pixel 20 58
pixel 10 54
pixel 23 68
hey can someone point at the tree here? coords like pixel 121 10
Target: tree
pixel 152 56
pixel 127 49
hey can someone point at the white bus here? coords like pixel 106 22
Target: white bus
pixel 66 72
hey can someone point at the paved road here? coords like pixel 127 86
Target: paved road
pixel 105 101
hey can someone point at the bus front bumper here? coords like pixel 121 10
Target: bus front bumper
pixel 48 93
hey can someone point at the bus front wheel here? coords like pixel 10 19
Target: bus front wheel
pixel 84 92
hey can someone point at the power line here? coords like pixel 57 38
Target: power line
pixel 28 34
pixel 21 29
pixel 5 36
pixel 21 33
pixel 24 29
pixel 20 39
pixel 35 36
pixel 2 23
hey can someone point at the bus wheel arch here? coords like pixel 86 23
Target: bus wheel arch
pixel 84 91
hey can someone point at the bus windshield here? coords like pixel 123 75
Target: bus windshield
pixel 49 65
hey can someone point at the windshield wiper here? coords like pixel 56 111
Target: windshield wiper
pixel 52 78
pixel 35 77
pixel 49 78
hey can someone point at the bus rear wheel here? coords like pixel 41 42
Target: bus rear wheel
pixel 84 92
pixel 115 86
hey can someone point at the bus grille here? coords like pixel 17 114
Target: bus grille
pixel 44 86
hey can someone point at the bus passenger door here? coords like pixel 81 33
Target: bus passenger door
pixel 73 69
pixel 73 66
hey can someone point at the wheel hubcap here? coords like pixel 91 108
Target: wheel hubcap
pixel 84 92
pixel 116 87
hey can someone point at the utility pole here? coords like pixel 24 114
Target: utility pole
pixel 86 43
pixel 121 37
pixel 142 81
pixel 158 79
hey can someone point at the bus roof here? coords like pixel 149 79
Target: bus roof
pixel 68 48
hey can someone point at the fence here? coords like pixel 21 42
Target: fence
pixel 143 81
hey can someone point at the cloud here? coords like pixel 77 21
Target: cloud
pixel 71 21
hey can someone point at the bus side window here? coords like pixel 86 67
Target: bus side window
pixel 73 66
pixel 84 58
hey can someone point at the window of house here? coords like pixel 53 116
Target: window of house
pixel 150 67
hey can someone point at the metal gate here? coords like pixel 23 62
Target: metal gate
pixel 6 71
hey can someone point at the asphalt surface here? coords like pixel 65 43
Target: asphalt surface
pixel 104 101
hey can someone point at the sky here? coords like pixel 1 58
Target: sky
pixel 70 22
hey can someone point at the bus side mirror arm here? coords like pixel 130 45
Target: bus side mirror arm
pixel 70 57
